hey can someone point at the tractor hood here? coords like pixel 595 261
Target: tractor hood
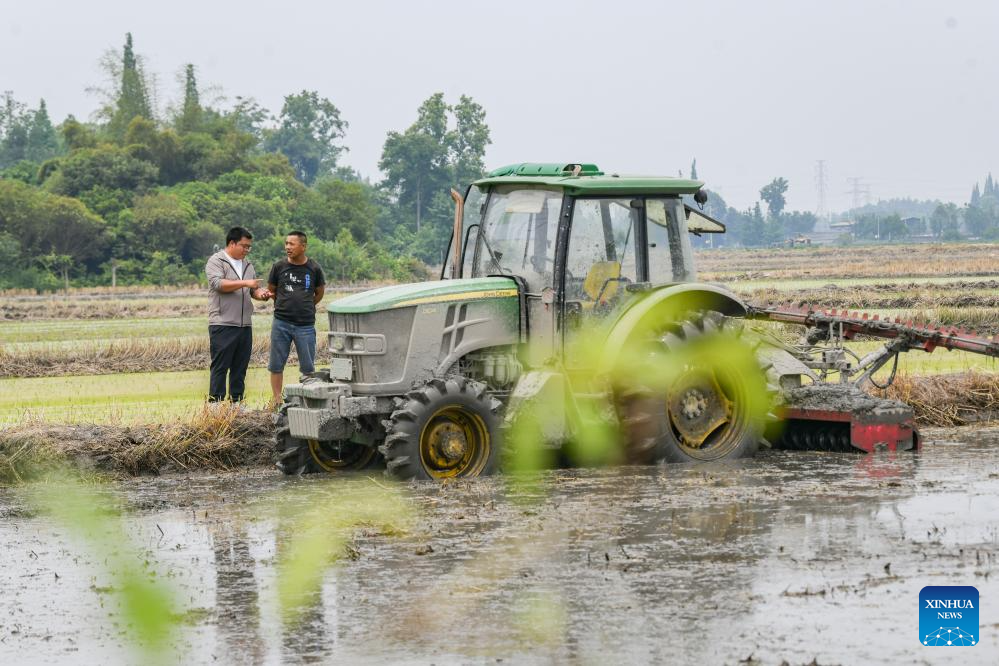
pixel 442 291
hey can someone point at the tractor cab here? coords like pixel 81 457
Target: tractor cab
pixel 579 243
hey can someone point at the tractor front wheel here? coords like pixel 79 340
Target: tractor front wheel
pixel 447 429
pixel 301 456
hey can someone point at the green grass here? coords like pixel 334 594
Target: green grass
pixel 152 397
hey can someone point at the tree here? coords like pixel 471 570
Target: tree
pixel 58 264
pixel 750 226
pixel 468 141
pixel 428 158
pixel 693 169
pixel 799 222
pixel 944 221
pixel 107 166
pixel 976 195
pixel 248 117
pixel 189 119
pixel 333 205
pixel 978 220
pixel 43 141
pixel 308 134
pixel 156 222
pixel 990 186
pixel 133 96
pixel 773 194
pixel 14 127
pixel 47 224
pixel 411 164
pixel 10 256
pixel 77 135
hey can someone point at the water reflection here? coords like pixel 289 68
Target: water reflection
pixel 236 597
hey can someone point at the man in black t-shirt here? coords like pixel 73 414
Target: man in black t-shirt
pixel 297 284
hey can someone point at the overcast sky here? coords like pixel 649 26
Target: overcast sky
pixel 901 94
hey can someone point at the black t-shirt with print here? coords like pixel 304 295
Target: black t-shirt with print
pixel 296 286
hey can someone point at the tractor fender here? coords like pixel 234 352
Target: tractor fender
pixel 664 304
pixel 541 395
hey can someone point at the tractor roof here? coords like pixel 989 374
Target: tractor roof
pixel 588 180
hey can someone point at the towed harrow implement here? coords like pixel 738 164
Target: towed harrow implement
pixel 834 412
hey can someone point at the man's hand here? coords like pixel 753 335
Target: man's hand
pixel 261 294
pixel 251 284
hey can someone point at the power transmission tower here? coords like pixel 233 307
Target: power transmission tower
pixel 859 191
pixel 820 188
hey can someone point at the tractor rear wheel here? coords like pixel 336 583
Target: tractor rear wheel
pixel 447 429
pixel 706 413
pixel 301 456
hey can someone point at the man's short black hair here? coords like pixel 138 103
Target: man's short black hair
pixel 237 234
pixel 301 235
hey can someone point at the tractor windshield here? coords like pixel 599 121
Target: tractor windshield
pixel 516 235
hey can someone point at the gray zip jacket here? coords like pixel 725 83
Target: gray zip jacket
pixel 234 308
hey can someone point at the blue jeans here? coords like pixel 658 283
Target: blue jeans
pixel 282 335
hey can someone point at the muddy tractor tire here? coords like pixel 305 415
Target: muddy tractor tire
pixel 447 429
pixel 706 413
pixel 300 456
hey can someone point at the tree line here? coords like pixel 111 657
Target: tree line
pixel 893 220
pixel 138 196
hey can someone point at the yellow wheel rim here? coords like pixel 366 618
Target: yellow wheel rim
pixel 454 442
pixel 704 417
pixel 347 456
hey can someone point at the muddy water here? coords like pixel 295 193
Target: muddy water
pixel 792 556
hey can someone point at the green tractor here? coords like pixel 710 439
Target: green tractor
pixel 431 376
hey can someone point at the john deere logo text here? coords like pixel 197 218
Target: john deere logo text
pixel 948 616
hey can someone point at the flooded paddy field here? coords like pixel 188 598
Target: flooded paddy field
pixel 795 557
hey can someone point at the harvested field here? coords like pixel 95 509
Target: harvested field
pixel 97 304
pixel 125 355
pixel 860 261
pixel 948 400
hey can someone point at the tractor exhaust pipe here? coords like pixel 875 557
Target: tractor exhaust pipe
pixel 459 209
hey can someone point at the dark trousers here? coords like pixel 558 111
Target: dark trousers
pixel 231 347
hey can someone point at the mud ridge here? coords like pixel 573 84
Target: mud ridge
pixel 218 437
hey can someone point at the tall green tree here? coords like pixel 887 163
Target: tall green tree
pixel 468 141
pixel 428 158
pixel 133 93
pixel 693 169
pixel 189 119
pixel 308 135
pixel 415 162
pixel 14 127
pixel 43 140
pixel 976 195
pixel 773 194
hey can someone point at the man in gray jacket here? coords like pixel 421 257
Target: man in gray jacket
pixel 232 282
